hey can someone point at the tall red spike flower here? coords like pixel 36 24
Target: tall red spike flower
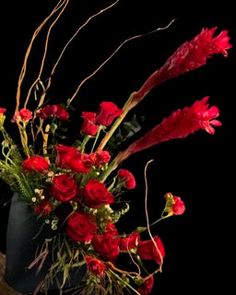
pixel 179 124
pixel 189 56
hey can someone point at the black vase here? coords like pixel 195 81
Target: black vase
pixel 22 244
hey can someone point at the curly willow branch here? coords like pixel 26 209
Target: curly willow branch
pixel 44 56
pixel 111 56
pixel 73 37
pixel 28 51
pixel 147 215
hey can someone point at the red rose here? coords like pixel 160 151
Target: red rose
pixel 107 113
pixel 64 187
pixel 147 286
pixel 89 127
pixel 128 178
pixel 69 157
pixel 35 163
pixel 178 207
pixel 107 244
pixel 148 251
pixel 23 115
pixel 95 194
pixel 54 111
pixel 130 241
pixel 80 227
pixel 95 266
pixel 2 111
pixel 44 208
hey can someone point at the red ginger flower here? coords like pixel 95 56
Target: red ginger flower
pixel 189 56
pixel 54 111
pixel 95 265
pixel 147 286
pixel 179 124
pixel 148 250
pixel 35 163
pixel 89 127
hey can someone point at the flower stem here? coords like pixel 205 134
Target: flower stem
pixel 84 142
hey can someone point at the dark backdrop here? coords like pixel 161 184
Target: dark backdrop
pixel 198 244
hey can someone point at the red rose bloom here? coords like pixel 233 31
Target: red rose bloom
pixel 178 207
pixel 147 286
pixel 128 178
pixel 148 251
pixel 23 115
pixel 107 113
pixel 54 111
pixel 44 208
pixel 69 157
pixel 95 194
pixel 80 227
pixel 107 244
pixel 130 241
pixel 95 266
pixel 89 127
pixel 2 111
pixel 64 187
pixel 36 163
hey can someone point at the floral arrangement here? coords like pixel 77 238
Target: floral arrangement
pixel 76 190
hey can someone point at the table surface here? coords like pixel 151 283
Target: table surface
pixel 5 289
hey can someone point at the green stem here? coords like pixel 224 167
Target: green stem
pixel 124 282
pixel 96 138
pixel 143 229
pixel 85 141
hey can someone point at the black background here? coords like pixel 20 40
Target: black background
pixel 198 244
